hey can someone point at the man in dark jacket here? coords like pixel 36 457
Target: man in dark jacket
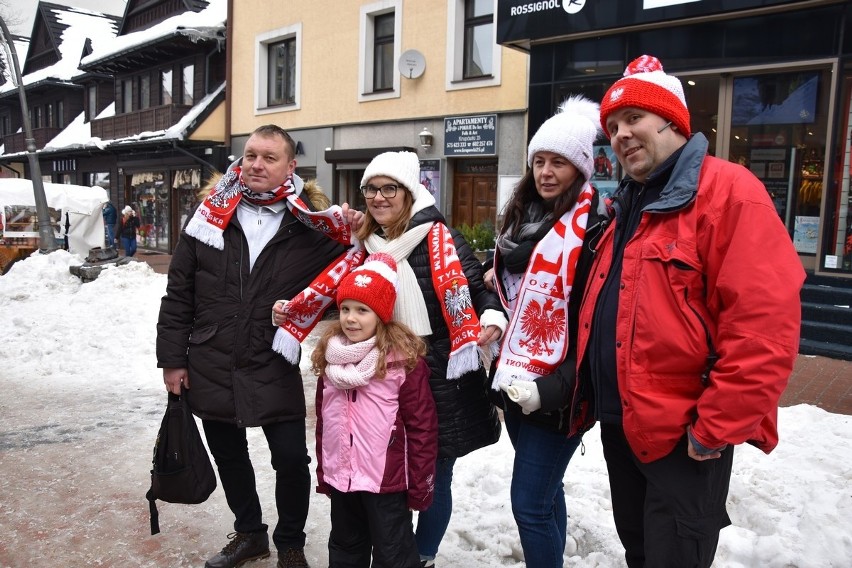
pixel 110 214
pixel 214 338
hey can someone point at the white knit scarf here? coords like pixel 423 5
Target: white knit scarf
pixel 350 365
pixel 410 307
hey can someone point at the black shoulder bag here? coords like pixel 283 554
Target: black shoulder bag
pixel 182 471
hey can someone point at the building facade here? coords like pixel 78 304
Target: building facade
pixel 349 80
pixel 769 82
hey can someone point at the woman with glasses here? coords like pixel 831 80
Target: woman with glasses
pixel 443 298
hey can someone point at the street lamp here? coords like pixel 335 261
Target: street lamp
pixel 47 243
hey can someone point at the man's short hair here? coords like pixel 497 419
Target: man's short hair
pixel 270 130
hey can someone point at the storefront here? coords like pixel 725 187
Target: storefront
pixel 769 83
pixel 163 199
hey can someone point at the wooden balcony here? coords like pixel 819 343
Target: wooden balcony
pixel 17 142
pixel 132 123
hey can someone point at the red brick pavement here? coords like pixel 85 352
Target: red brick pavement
pixel 823 382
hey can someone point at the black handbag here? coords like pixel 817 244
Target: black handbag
pixel 182 471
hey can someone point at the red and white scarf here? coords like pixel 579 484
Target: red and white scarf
pixel 451 289
pixel 453 292
pixel 305 310
pixel 536 340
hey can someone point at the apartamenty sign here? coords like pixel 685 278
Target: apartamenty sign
pixel 470 135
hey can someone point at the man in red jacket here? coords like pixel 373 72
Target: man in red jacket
pixel 690 323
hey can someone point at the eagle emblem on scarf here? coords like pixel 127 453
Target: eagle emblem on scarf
pixel 457 300
pixel 542 325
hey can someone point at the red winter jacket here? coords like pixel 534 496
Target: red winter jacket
pixel 709 256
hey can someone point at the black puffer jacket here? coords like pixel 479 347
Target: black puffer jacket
pixel 467 420
pixel 215 321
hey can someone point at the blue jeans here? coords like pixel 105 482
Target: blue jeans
pixel 129 246
pixel 538 497
pixel 109 232
pixel 432 523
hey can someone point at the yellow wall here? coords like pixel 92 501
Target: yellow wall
pixel 213 127
pixel 330 64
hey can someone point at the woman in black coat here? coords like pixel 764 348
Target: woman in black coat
pixel 402 220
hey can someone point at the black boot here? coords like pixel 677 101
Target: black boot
pixel 292 558
pixel 242 548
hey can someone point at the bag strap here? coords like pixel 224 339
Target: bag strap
pixel 155 515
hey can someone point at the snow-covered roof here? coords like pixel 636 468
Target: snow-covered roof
pixel 203 24
pixel 78 134
pixel 80 25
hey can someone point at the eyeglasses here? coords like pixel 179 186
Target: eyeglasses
pixel 388 191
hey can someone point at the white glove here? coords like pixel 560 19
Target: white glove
pixel 525 394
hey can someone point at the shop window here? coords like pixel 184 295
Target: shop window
pixel 279 69
pixel 778 131
pixel 837 236
pixel 380 41
pixel 187 184
pixel 150 195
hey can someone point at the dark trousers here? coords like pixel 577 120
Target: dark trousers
pixel 363 522
pixel 668 513
pixel 289 456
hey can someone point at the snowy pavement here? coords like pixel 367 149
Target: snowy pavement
pixel 82 401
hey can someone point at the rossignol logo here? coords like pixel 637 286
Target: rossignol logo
pixel 570 6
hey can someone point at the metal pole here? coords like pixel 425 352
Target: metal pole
pixel 47 242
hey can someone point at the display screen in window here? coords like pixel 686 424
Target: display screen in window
pixel 788 98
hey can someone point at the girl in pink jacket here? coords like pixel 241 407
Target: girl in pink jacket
pixel 377 429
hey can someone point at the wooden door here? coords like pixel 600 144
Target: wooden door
pixel 474 198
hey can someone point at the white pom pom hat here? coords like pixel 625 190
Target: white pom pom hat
pixel 570 132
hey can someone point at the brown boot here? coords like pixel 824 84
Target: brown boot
pixel 242 548
pixel 292 558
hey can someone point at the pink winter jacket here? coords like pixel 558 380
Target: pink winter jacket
pixel 379 438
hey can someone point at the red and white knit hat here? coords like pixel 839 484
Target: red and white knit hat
pixel 373 283
pixel 645 85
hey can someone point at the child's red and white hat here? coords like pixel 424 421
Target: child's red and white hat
pixel 373 283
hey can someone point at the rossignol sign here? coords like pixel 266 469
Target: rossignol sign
pixel 520 21
pixel 570 6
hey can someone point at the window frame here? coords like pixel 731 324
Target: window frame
pixel 161 75
pixel 263 44
pixel 367 43
pixel 456 25
pixel 187 96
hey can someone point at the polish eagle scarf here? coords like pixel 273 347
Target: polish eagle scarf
pixel 536 340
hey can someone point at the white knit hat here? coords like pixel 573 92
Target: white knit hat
pixel 404 167
pixel 570 132
pixel 645 85
pixel 127 209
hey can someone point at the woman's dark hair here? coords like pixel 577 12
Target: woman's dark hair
pixel 525 193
